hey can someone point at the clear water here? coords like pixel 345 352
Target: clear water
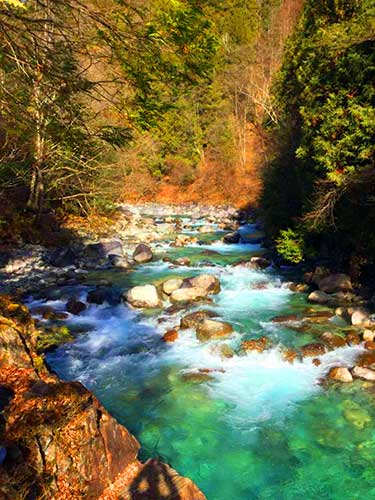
pixel 258 428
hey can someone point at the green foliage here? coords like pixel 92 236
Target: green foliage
pixel 290 245
pixel 325 97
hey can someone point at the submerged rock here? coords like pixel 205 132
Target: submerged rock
pixel 145 296
pixel 211 329
pixel 142 254
pixel 197 377
pixel 285 318
pixel 75 306
pixel 341 374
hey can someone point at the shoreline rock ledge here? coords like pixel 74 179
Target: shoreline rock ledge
pixel 57 441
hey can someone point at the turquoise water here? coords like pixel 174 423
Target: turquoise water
pixel 257 427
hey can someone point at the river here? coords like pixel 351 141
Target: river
pixel 253 426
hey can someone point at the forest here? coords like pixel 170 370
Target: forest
pixel 102 102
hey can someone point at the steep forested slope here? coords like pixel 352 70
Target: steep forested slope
pixel 320 189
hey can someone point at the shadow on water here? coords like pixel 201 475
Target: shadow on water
pixel 155 481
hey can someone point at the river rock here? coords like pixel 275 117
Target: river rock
pixel 205 229
pixel 298 287
pixel 211 329
pixel 313 349
pixel 183 261
pixel 103 294
pixel 335 283
pixel 194 319
pixel 145 296
pixel 259 263
pixel 319 297
pixel 340 374
pixel 98 252
pixel 290 355
pixel 367 360
pixel 363 373
pixel 360 317
pixel 223 350
pixel 333 341
pixel 171 285
pixel 75 306
pixel 170 336
pixel 188 295
pixel 231 238
pixel 255 344
pixel 285 318
pixel 142 254
pixel 368 335
pixel 63 257
pixel 352 338
pixel 197 377
pixel 119 262
pixel 208 282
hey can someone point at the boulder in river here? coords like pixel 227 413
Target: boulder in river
pixel 341 374
pixel 188 295
pixel 319 297
pixel 259 263
pixel 208 282
pixel 171 285
pixel 145 296
pixel 333 341
pixel 103 294
pixel 258 345
pixel 290 355
pixel 211 329
pixel 363 373
pixel 119 262
pixel 63 257
pixel 170 336
pixel 194 319
pixel 360 317
pixel 98 252
pixel 75 306
pixel 142 254
pixel 335 283
pixel 298 287
pixel 368 335
pixel 231 238
pixel 352 338
pixel 313 349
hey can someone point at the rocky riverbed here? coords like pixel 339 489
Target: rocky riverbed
pixel 218 360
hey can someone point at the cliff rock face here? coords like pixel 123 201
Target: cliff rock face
pixel 57 441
